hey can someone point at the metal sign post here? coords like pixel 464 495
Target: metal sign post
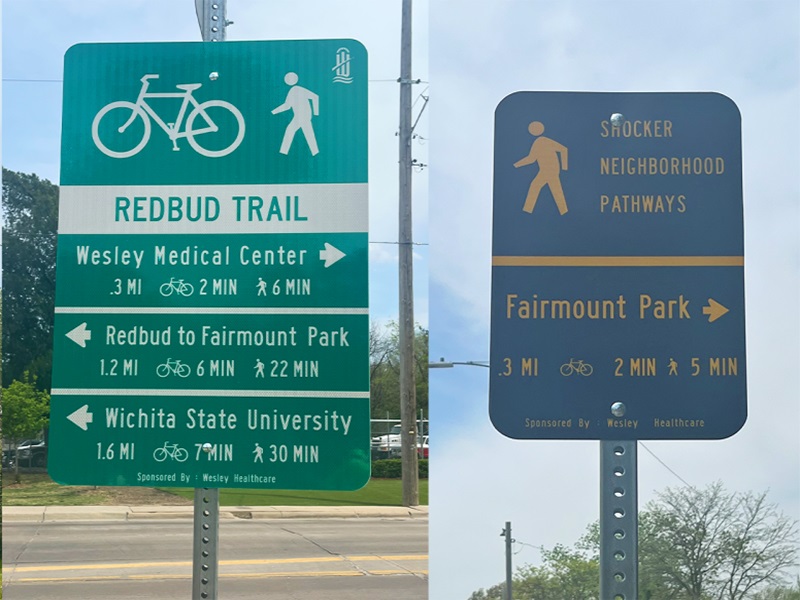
pixel 619 534
pixel 211 16
pixel 617 282
pixel 205 557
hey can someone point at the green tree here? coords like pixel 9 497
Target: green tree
pixel 697 544
pixel 780 592
pixel 694 544
pixel 565 574
pixel 25 412
pixel 493 593
pixel 30 220
pixel 385 370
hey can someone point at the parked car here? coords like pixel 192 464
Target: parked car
pixel 31 453
pixel 422 447
pixel 387 446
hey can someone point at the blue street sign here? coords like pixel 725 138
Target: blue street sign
pixel 617 267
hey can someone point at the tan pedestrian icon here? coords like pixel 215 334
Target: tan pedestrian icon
pixel 552 159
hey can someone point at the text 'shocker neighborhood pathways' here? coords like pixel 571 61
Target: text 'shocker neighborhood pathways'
pixel 211 324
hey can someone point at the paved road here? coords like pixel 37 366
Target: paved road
pixel 313 559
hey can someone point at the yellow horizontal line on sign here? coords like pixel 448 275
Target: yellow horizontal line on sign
pixel 618 261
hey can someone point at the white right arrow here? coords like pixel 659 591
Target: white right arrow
pixel 81 417
pixel 79 335
pixel 330 255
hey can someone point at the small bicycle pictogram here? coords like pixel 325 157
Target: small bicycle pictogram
pixel 174 367
pixel 576 366
pixel 179 286
pixel 172 451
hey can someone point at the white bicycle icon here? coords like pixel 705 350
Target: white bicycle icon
pixel 118 116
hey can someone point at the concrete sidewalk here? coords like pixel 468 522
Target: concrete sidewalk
pixel 128 513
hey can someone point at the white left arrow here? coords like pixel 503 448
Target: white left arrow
pixel 79 335
pixel 330 255
pixel 81 417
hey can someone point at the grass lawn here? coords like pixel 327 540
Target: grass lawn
pixel 37 489
pixel 378 492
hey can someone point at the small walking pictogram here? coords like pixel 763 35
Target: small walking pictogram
pixel 304 105
pixel 552 159
pixel 673 367
pixel 259 452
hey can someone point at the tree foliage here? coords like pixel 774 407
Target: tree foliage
pixel 780 592
pixel 26 411
pixel 565 574
pixel 30 220
pixel 384 374
pixel 694 544
pixel 708 543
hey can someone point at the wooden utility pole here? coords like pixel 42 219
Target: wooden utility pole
pixel 408 395
pixel 507 595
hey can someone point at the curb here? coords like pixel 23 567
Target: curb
pixel 41 514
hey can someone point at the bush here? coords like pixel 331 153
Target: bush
pixel 391 468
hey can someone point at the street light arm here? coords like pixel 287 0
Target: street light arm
pixel 443 364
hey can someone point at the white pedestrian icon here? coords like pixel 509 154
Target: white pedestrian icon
pixel 262 287
pixel 304 104
pixel 259 452
pixel 259 368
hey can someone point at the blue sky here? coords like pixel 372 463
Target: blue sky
pixel 480 53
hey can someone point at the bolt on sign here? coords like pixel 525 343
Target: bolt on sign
pixel 617 267
pixel 211 325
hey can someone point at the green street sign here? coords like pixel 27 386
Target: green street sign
pixel 176 351
pixel 246 270
pixel 224 441
pixel 276 112
pixel 212 322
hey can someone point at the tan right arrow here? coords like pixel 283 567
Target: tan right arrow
pixel 714 310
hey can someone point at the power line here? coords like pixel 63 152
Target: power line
pixel 539 548
pixel 665 465
pixel 403 243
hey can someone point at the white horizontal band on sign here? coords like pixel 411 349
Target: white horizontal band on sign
pixel 211 310
pixel 285 208
pixel 211 393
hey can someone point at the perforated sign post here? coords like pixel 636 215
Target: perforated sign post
pixel 617 281
pixel 211 324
